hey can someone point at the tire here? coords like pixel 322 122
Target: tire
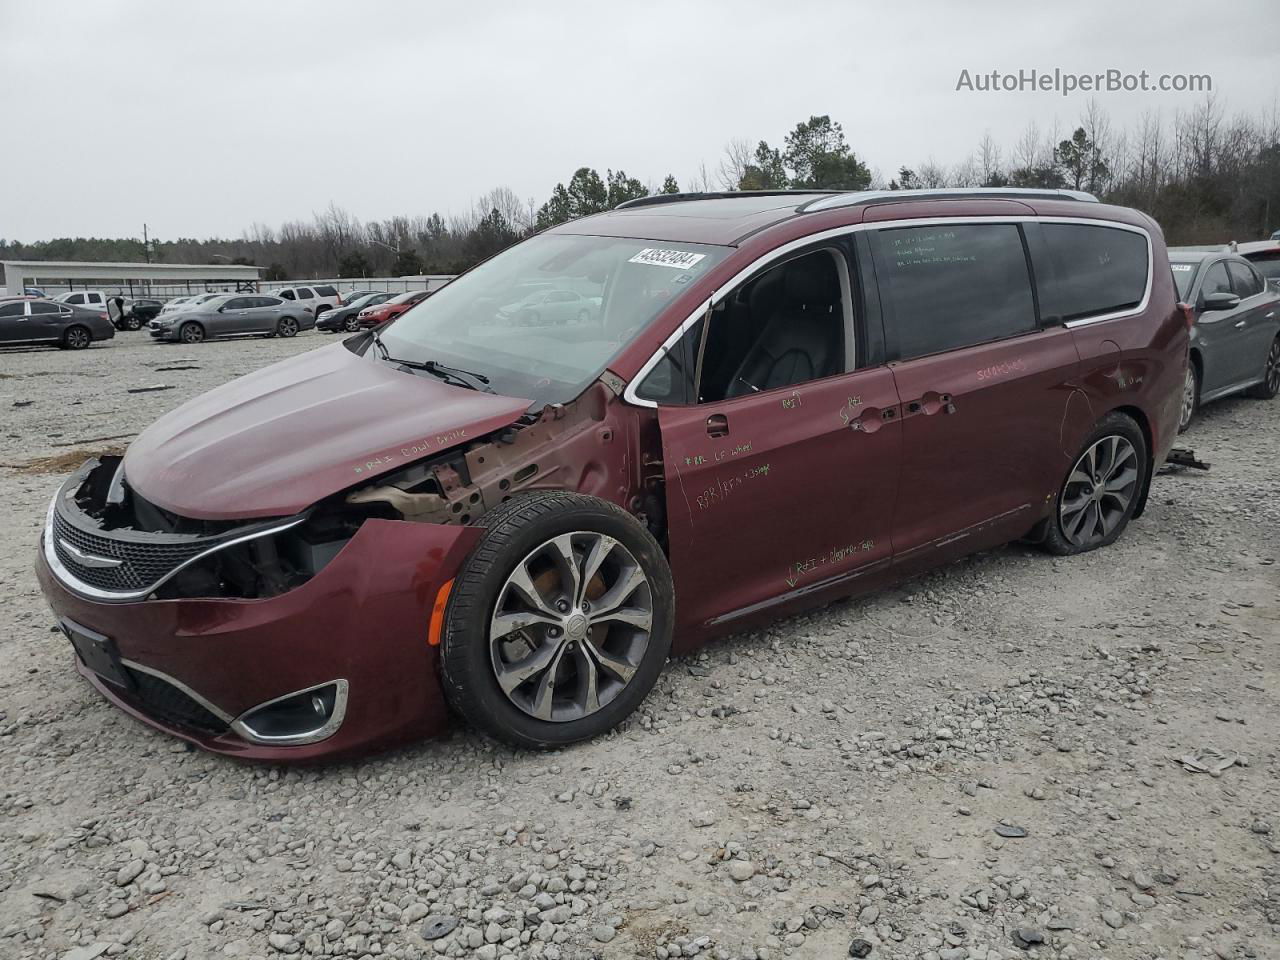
pixel 521 542
pixel 191 332
pixel 76 338
pixel 1190 397
pixel 286 327
pixel 1270 385
pixel 132 323
pixel 351 324
pixel 1106 505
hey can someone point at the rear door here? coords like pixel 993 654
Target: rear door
pixel 1258 313
pixel 45 319
pixel 983 386
pixel 776 489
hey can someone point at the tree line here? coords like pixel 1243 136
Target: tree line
pixel 1205 176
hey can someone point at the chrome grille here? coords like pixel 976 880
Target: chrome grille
pixel 141 566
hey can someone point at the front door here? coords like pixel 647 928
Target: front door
pixel 1222 335
pixel 14 325
pixel 777 494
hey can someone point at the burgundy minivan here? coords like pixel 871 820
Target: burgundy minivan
pixel 781 399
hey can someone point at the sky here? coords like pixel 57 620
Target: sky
pixel 202 118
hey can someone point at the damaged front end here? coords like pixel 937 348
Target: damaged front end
pixel 105 541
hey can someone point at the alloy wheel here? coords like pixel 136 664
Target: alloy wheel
pixel 1099 490
pixel 351 324
pixel 1189 386
pixel 1273 367
pixel 77 338
pixel 287 327
pixel 570 626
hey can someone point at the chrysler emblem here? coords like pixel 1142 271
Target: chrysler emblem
pixel 88 559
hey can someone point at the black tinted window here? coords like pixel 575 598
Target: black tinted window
pixel 304 293
pixel 1245 282
pixel 327 291
pixel 944 287
pixel 76 298
pixel 1268 268
pixel 44 307
pixel 1098 270
pixel 287 294
pixel 11 309
pixel 1215 281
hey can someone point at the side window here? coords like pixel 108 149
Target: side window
pixel 326 291
pixel 43 307
pixel 1098 270
pixel 672 378
pixel 1216 281
pixel 287 294
pixel 1245 282
pixel 304 293
pixel 11 309
pixel 95 299
pixel 76 298
pixel 949 286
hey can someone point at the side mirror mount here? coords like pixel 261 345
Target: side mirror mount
pixel 1220 301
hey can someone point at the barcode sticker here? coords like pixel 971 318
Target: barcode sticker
pixel 1182 267
pixel 677 259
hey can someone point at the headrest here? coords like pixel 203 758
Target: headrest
pixel 813 279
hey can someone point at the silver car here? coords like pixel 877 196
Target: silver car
pixel 233 315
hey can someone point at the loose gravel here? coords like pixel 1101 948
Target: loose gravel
pixel 1013 756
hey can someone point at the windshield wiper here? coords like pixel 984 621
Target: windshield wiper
pixel 462 378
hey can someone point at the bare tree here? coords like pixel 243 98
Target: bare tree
pixel 737 157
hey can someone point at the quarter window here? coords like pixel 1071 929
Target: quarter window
pixel 1243 279
pixel 1098 270
pixel 327 291
pixel 948 286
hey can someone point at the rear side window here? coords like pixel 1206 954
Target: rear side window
pixel 948 286
pixel 327 291
pixel 1245 282
pixel 304 293
pixel 43 307
pixel 238 303
pixel 1099 270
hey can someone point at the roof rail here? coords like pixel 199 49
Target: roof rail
pixel 861 197
pixel 657 198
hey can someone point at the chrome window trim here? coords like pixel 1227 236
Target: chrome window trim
pixel 69 580
pixel 629 394
pixel 323 732
pixel 215 710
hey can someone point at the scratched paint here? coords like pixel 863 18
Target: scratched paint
pixel 725 486
pixel 835 555
pixel 849 410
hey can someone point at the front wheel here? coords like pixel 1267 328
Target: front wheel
pixel 1270 385
pixel 191 333
pixel 1097 499
pixel 559 622
pixel 287 327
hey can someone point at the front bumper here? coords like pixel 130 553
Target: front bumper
pixel 162 333
pixel 362 619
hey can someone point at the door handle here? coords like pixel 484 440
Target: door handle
pixel 1240 323
pixel 717 425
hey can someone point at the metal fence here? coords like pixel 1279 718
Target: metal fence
pixel 162 291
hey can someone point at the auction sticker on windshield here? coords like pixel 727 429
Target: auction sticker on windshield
pixel 657 257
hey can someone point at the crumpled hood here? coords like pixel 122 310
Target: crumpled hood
pixel 275 441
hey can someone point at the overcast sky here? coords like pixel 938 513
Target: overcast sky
pixel 201 118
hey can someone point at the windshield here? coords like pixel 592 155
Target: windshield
pixel 544 318
pixel 1183 274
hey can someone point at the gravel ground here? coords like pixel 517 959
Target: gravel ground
pixel 980 764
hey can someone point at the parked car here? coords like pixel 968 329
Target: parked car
pixel 92 299
pixel 789 398
pixel 314 299
pixel 188 303
pixel 377 315
pixel 1235 343
pixel 550 306
pixel 346 317
pixel 1265 257
pixel 37 320
pixel 233 315
pixel 137 313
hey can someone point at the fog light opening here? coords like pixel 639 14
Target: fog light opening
pixel 306 716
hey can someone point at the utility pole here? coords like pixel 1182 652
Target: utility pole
pixel 146 244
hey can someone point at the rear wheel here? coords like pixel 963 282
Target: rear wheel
pixel 191 332
pixel 1097 499
pixel 76 338
pixel 1190 397
pixel 1270 385
pixel 287 327
pixel 559 622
